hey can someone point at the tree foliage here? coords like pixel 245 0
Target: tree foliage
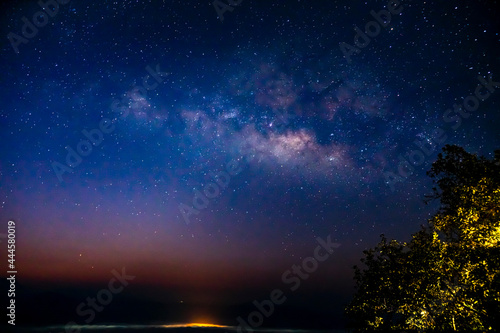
pixel 447 277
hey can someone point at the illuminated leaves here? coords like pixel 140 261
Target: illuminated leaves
pixel 448 276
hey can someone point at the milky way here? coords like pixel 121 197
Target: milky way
pixel 120 119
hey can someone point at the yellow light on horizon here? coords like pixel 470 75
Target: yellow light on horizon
pixel 194 325
pixel 205 325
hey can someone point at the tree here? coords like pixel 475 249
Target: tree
pixel 448 276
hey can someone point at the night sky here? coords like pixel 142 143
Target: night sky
pixel 205 155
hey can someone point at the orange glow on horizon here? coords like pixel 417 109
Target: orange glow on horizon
pixel 194 325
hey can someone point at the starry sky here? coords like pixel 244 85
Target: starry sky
pixel 224 146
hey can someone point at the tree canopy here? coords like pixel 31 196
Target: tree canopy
pixel 447 277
